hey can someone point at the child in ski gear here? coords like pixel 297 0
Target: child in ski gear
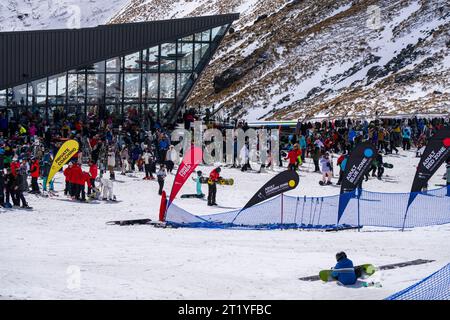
pixel 293 157
pixel 93 172
pixel 325 167
pixel 348 277
pixel 34 170
pixel 45 172
pixel 214 177
pixel 107 186
pixel 161 175
pixel 68 179
pixel 198 184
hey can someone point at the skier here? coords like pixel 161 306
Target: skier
pixel 161 175
pixel 325 167
pixel 214 177
pixel 347 277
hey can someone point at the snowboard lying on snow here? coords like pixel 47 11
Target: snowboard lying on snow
pixel 156 224
pixel 365 270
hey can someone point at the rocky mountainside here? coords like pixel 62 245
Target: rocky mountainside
pixel 294 59
pixel 22 15
pixel 305 58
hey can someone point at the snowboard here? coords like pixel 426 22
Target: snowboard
pixel 361 271
pixel 129 222
pixel 187 196
pixel 324 184
pixel 388 165
pixel 222 181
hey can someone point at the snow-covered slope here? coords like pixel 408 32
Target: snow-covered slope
pixel 291 59
pixel 41 250
pixel 20 15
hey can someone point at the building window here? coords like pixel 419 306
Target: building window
pixel 167 86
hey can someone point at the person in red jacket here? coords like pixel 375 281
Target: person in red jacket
pixel 67 174
pixel 93 171
pixel 214 177
pixel 293 156
pixel 15 165
pixel 34 170
pixel 77 181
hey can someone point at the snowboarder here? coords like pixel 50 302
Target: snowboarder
pixel 345 278
pixel 214 177
pixel 198 184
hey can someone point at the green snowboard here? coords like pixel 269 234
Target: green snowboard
pixel 362 271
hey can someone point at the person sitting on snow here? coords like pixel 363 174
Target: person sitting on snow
pixel 348 277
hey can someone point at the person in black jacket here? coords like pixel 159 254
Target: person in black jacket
pixel 20 187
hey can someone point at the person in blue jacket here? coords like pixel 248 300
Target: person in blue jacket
pixel 348 277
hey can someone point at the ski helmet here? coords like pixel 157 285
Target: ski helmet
pixel 199 173
pixel 340 255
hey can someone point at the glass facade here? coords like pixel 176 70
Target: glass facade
pixel 156 81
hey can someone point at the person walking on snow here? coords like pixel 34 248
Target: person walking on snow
pixel 107 188
pixel 325 168
pixel 161 175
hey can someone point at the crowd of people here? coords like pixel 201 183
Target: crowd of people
pixel 28 145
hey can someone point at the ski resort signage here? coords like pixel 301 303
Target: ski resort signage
pixel 65 153
pixel 358 164
pixel 436 153
pixel 191 160
pixel 281 183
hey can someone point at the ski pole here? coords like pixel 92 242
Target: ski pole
pixel 320 210
pixel 296 208
pixel 303 210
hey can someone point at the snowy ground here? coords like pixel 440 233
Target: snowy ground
pixel 39 250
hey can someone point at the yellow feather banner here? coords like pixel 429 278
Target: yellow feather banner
pixel 65 153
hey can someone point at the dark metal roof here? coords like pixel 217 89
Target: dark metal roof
pixel 30 55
